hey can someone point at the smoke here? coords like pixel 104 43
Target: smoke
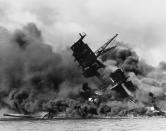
pixel 162 65
pixel 30 72
pixel 34 77
pixel 124 57
pixel 146 78
pixel 142 23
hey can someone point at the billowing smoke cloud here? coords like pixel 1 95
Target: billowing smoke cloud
pixel 35 78
pixel 31 72
pixel 127 59
pixel 147 78
pixel 141 23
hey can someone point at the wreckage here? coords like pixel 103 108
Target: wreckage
pixel 91 65
pixel 117 80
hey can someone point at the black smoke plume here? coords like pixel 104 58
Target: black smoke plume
pixel 127 59
pixel 32 73
pixel 35 77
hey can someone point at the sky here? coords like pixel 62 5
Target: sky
pixel 139 23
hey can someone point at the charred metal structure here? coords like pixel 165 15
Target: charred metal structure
pixel 90 64
pixel 86 58
pixel 93 102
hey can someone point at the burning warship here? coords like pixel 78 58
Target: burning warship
pixel 116 81
pixel 92 66
pixel 112 97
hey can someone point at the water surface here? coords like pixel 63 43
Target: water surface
pixel 143 124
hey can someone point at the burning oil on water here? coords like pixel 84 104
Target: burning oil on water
pixel 76 82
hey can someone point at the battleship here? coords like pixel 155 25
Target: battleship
pixel 91 66
pixel 116 81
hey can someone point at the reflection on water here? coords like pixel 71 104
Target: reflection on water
pixel 148 124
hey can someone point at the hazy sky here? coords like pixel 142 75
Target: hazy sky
pixel 140 23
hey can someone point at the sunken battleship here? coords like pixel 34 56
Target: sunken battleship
pixel 95 103
pixel 91 66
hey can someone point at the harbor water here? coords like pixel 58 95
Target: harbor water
pixel 141 124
